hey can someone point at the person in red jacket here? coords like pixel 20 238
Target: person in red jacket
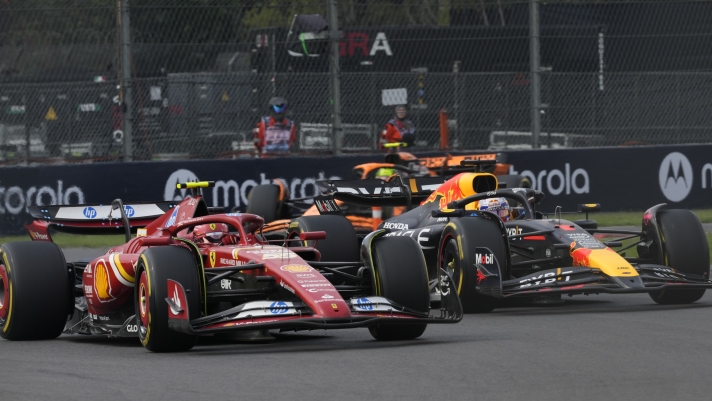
pixel 275 134
pixel 398 129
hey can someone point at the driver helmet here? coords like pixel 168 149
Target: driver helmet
pixel 498 206
pixel 384 173
pixel 278 106
pixel 212 233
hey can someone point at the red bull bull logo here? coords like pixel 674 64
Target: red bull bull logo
pixel 456 188
pixel 581 256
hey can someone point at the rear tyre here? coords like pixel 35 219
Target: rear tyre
pixel 402 277
pixel 685 249
pixel 264 201
pixel 515 181
pixel 341 243
pixel 155 267
pixel 35 291
pixel 472 233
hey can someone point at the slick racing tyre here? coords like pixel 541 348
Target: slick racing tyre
pixel 264 201
pixel 685 249
pixel 402 277
pixel 155 267
pixel 36 295
pixel 341 243
pixel 514 181
pixel 463 244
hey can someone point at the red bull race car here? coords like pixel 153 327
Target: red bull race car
pixel 193 271
pixel 526 253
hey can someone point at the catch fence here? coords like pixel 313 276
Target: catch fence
pixel 201 73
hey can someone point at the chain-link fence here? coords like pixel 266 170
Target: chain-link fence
pixel 201 73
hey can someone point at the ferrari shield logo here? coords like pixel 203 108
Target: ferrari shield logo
pixel 212 258
pixel 212 226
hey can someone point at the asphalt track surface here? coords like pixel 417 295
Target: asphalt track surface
pixel 589 348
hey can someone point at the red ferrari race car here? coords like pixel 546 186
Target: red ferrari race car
pixel 192 271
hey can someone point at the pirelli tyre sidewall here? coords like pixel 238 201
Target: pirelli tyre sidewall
pixel 462 240
pixel 36 292
pixel 341 243
pixel 685 249
pixel 155 267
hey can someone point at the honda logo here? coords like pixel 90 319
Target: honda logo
pixel 675 176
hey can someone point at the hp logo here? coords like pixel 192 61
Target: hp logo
pixel 89 212
pixel 364 304
pixel 278 308
pixel 129 211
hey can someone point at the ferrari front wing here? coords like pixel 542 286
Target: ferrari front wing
pixel 290 315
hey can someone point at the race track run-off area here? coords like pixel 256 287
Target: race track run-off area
pixel 590 348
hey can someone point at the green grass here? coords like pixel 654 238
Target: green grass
pixel 74 240
pixel 608 219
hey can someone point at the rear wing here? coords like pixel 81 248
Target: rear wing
pixel 396 192
pixel 449 165
pixel 92 218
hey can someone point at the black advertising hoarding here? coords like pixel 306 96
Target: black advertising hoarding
pixel 146 181
pixel 623 178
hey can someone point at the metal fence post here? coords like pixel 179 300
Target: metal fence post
pixel 534 71
pixel 335 74
pixel 125 83
pixel 28 140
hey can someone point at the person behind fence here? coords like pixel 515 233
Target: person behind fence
pixel 398 129
pixel 275 133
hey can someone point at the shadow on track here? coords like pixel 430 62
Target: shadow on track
pixel 282 343
pixel 587 306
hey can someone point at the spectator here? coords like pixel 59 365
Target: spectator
pixel 275 134
pixel 398 129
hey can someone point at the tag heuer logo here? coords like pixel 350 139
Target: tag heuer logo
pixel 675 176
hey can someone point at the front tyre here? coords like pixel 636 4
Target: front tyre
pixel 35 291
pixel 402 277
pixel 685 249
pixel 463 244
pixel 155 267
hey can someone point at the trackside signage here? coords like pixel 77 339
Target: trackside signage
pixel 622 178
pixel 21 187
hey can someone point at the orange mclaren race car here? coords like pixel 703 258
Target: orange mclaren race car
pixel 273 203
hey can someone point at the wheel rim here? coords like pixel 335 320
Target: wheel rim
pixel 4 293
pixel 143 305
pixel 450 262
